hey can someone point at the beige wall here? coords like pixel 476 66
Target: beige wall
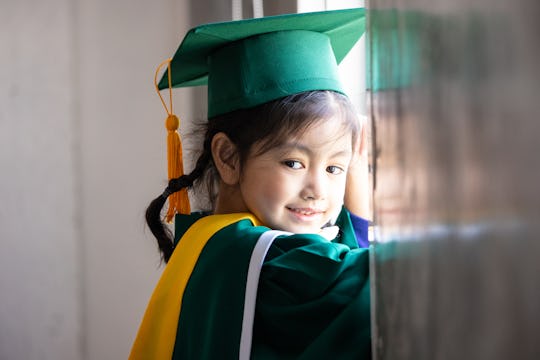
pixel 38 238
pixel 81 154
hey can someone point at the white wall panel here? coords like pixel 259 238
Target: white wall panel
pixel 39 315
pixel 123 150
pixel 82 152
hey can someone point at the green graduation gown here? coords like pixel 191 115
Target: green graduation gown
pixel 312 299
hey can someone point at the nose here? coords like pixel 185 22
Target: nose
pixel 315 185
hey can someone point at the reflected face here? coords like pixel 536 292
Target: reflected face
pixel 299 186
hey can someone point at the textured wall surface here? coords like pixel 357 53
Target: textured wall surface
pixel 454 101
pixel 40 304
pixel 82 152
pixel 122 162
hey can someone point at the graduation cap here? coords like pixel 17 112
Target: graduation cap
pixel 250 62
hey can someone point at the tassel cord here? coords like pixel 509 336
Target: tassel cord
pixel 178 201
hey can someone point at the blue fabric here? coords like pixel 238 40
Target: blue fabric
pixel 360 226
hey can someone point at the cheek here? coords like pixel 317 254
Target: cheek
pixel 269 190
pixel 273 190
pixel 259 192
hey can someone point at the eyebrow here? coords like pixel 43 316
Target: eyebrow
pixel 305 149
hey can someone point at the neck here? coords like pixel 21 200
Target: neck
pixel 229 200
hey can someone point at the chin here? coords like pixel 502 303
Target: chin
pixel 303 229
pixel 295 227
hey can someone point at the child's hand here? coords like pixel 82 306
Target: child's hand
pixel 360 150
pixel 357 191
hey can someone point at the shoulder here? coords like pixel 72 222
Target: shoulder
pixel 221 225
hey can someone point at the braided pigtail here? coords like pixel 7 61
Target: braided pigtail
pixel 162 233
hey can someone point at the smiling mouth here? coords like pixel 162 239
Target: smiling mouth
pixel 305 211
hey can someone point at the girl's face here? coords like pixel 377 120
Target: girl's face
pixel 299 186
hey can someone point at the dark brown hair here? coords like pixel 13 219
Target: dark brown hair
pixel 269 125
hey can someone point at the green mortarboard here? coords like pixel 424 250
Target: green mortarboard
pixel 250 62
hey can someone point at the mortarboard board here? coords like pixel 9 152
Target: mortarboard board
pixel 249 62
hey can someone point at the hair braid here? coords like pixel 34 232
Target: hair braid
pixel 162 233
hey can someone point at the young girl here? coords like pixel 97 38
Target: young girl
pixel 278 269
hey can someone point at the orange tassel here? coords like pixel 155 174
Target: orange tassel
pixel 179 201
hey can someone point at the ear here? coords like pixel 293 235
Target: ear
pixel 226 159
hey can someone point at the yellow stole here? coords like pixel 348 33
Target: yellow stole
pixel 157 333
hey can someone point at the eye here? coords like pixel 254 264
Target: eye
pixel 293 164
pixel 334 170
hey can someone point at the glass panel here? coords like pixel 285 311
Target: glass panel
pixel 453 92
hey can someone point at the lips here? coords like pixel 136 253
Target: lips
pixel 305 211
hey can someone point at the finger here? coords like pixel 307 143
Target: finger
pixel 363 136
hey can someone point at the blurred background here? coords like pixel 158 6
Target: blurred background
pixel 82 152
pixel 454 101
